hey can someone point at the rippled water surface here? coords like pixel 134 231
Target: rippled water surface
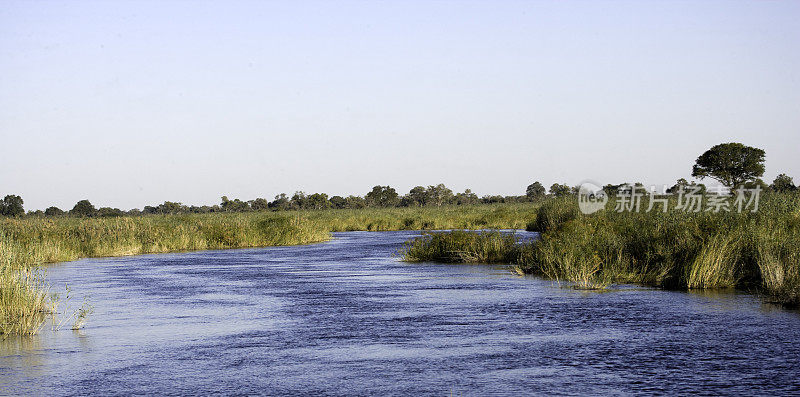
pixel 345 317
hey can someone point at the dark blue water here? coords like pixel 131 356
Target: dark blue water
pixel 345 317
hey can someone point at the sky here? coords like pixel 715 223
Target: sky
pixel 130 104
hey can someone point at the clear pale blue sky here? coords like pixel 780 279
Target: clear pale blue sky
pixel 132 103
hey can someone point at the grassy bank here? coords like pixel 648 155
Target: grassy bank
pixel 27 242
pixel 757 252
pixel 32 241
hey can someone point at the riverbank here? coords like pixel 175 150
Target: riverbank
pixel 32 241
pixel 753 251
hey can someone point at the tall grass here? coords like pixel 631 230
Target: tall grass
pixel 778 259
pixel 24 300
pixel 753 251
pixel 758 251
pixel 496 216
pixel 675 249
pixel 35 240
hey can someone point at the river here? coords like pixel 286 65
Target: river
pixel 346 317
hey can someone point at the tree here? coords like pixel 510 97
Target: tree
pixel 338 202
pixel 109 212
pixel 12 206
pixel 416 197
pixel 192 209
pixel 37 213
pixel 560 190
pixel 234 205
pixel 83 208
pixel 732 164
pixel 382 196
pixel 783 183
pixel 488 199
pixel 684 186
pixel 281 203
pixel 535 191
pixel 466 198
pixel 356 202
pixel 318 201
pixel 611 190
pixel 259 204
pixel 682 183
pixel 439 194
pixel 299 200
pixel 53 211
pixel 169 207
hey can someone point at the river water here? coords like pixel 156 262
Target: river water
pixel 346 317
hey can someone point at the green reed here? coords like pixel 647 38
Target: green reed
pixel 754 251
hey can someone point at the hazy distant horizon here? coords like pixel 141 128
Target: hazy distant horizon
pixel 130 104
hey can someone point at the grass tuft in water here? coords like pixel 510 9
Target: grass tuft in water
pixel 461 247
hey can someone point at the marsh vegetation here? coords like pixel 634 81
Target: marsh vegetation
pixel 753 251
pixel 29 241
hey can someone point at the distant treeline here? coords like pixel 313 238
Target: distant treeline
pixel 379 196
